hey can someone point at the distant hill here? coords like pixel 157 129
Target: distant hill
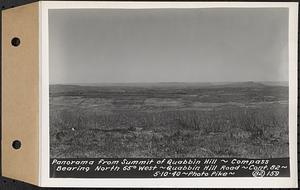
pixel 249 84
pixel 280 83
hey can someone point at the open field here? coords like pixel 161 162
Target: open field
pixel 169 120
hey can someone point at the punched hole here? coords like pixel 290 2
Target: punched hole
pixel 15 42
pixel 16 144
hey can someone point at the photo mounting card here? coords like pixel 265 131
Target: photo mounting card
pixel 167 94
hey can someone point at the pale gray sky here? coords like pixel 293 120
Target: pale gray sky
pixel 167 45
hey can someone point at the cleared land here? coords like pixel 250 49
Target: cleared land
pixel 169 120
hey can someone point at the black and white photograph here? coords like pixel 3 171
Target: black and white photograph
pixel 169 83
pixel 169 94
pixel 157 94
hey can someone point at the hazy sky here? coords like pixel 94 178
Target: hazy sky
pixel 167 45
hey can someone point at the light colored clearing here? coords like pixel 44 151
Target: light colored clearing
pixel 230 94
pixel 205 104
pixel 81 102
pixel 248 105
pixel 204 96
pixel 157 102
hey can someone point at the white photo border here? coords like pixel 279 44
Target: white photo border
pixel 213 182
